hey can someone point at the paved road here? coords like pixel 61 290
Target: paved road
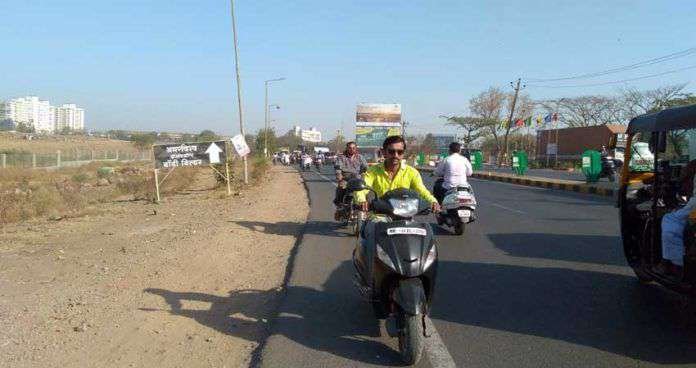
pixel 538 281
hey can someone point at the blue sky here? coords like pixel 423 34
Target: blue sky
pixel 168 65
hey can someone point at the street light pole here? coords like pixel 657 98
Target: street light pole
pixel 265 110
pixel 239 89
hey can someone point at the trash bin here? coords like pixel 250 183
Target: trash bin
pixel 591 165
pixel 519 162
pixel 476 160
pixel 421 159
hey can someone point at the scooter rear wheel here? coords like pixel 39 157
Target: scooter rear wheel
pixel 459 227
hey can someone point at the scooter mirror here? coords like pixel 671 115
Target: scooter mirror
pixel 355 185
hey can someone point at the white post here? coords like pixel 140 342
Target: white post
pixel 33 160
pixel 58 158
pixel 4 160
pixel 157 186
pixel 227 172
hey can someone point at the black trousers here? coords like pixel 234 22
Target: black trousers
pixel 340 192
pixel 439 191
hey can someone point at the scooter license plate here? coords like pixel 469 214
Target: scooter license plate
pixel 464 213
pixel 406 231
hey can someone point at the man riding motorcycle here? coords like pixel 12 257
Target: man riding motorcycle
pixel 350 165
pixel 454 171
pixel 392 174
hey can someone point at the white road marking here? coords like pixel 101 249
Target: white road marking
pixel 435 349
pixel 507 208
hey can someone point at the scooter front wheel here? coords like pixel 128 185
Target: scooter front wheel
pixel 411 338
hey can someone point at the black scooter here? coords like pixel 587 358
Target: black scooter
pixel 402 255
pixel 608 168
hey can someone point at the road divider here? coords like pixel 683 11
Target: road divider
pixel 534 181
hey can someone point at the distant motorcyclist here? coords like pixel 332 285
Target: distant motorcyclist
pixel 454 170
pixel 348 166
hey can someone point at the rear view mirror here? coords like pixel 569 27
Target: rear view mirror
pixel 355 185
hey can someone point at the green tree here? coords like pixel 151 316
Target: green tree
pixel 144 141
pixel 473 127
pixel 25 128
pixel 207 136
pixel 266 134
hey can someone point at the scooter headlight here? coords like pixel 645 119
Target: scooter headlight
pixel 404 207
pixel 430 259
pixel 384 257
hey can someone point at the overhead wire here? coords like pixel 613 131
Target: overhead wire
pixel 637 65
pixel 614 82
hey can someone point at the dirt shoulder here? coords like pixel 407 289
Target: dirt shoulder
pixel 191 282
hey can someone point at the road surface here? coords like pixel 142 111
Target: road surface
pixel 538 281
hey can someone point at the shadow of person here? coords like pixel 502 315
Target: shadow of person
pixel 314 227
pixel 333 320
pixel 606 311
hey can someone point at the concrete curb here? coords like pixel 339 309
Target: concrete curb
pixel 533 181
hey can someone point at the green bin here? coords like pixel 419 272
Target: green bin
pixel 519 162
pixel 591 165
pixel 476 160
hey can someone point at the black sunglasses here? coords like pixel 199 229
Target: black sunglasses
pixel 393 151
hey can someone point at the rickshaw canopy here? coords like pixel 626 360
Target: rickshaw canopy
pixel 683 117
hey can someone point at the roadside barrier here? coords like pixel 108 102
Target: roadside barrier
pixel 567 185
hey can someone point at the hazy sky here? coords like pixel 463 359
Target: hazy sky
pixel 168 65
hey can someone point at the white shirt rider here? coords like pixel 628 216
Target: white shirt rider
pixel 454 169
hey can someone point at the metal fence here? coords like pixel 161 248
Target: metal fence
pixel 69 158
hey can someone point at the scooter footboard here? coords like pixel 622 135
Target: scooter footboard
pixel 410 296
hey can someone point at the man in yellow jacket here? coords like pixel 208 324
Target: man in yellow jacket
pixel 394 173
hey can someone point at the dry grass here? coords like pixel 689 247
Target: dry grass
pixel 71 192
pixel 14 142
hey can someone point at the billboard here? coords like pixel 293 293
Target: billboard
pixel 374 136
pixel 371 114
pixel 442 141
pixel 313 136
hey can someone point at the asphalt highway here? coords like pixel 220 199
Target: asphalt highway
pixel 538 281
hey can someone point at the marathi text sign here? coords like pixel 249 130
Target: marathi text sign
pixel 442 141
pixel 189 154
pixel 370 114
pixel 313 136
pixel 369 136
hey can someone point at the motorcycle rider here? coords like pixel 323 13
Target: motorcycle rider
pixel 348 166
pixel 392 174
pixel 454 170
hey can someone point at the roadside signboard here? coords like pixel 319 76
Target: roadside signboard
pixel 240 145
pixel 372 114
pixel 313 136
pixel 442 141
pixel 189 154
pixel 366 136
pixel 375 122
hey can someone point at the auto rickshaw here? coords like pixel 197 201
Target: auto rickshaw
pixel 659 165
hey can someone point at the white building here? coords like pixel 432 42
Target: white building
pixel 69 116
pixel 31 111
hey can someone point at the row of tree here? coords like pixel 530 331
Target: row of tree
pixel 492 106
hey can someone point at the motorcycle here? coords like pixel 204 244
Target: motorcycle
pixel 402 255
pixel 458 208
pixel 318 162
pixel 609 166
pixel 351 213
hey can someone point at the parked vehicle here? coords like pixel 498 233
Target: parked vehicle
pixel 656 198
pixel 458 208
pixel 396 266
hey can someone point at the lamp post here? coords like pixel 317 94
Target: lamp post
pixel 266 112
pixel 239 87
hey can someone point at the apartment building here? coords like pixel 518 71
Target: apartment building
pixel 69 116
pixel 41 115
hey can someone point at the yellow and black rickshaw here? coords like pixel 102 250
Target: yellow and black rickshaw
pixel 656 209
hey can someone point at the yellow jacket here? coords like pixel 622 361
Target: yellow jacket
pixel 407 177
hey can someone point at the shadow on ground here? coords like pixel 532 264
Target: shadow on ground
pixel 598 249
pixel 333 320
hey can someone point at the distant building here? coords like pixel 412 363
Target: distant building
pixel 31 111
pixel 69 116
pixel 41 115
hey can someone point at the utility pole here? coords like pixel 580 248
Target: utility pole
pixel 512 114
pixel 239 89
pixel 266 114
